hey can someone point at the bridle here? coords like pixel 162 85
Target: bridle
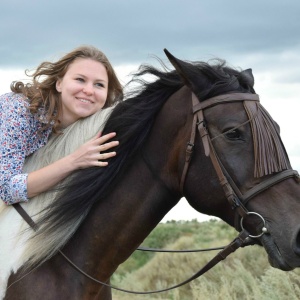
pixel 236 199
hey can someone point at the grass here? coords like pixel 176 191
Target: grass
pixel 246 274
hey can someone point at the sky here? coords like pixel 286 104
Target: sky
pixel 260 34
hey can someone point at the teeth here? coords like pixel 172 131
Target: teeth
pixel 85 101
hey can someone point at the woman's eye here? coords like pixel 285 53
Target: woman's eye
pixel 80 79
pixel 99 84
pixel 234 134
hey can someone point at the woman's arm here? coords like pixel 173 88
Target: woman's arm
pixel 88 155
pixel 15 137
pixel 14 134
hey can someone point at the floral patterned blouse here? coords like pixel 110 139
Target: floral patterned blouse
pixel 21 134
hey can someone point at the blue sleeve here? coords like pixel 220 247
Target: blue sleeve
pixel 14 130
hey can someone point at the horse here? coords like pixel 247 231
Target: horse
pixel 236 169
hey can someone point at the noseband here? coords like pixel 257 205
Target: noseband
pixel 236 199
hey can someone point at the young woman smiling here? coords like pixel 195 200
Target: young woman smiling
pixel 76 86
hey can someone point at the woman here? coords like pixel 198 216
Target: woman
pixel 76 86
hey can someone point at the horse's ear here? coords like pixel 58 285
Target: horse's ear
pixel 183 69
pixel 248 75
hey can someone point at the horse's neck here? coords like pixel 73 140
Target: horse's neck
pixel 115 227
pixel 118 225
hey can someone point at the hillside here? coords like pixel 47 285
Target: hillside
pixel 246 274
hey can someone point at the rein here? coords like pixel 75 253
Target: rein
pixel 240 241
pixel 146 249
pixel 233 195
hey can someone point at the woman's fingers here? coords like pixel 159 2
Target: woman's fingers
pixel 102 141
pixel 93 153
pixel 109 145
pixel 105 145
pixel 104 138
pixel 104 156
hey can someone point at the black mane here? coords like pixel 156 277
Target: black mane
pixel 132 120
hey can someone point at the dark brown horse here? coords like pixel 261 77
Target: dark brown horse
pixel 120 205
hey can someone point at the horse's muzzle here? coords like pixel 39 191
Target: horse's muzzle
pixel 275 257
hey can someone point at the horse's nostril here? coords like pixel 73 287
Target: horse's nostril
pixel 297 243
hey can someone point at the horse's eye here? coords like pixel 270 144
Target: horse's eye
pixel 234 134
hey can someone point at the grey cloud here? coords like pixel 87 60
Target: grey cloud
pixel 130 31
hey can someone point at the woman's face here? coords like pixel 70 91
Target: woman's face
pixel 83 90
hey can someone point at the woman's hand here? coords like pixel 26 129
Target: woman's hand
pixel 89 154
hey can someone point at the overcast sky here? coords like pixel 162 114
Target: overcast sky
pixel 260 34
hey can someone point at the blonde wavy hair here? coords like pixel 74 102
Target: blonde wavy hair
pixel 42 93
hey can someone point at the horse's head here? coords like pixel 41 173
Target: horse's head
pixel 246 178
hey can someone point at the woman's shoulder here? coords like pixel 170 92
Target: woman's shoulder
pixel 14 103
pixel 14 107
pixel 14 98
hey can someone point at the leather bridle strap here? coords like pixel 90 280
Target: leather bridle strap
pixel 188 153
pixel 25 216
pixel 233 97
pixel 209 149
pixel 268 183
pixel 236 199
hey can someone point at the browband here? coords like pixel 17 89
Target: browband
pixel 225 98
